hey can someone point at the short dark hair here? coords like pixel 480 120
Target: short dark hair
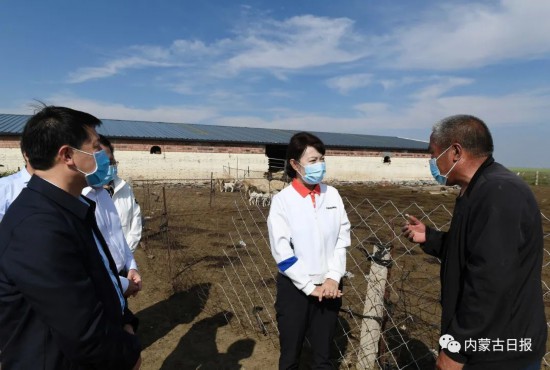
pixel 51 128
pixel 105 142
pixel 469 131
pixel 297 146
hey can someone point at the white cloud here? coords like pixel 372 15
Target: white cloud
pixel 114 67
pixel 276 46
pixel 373 109
pixel 389 84
pixel 506 110
pixel 195 48
pixel 441 86
pixel 468 35
pixel 344 84
pixel 298 42
pixel 177 114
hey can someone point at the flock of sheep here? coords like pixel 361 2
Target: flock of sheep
pixel 257 194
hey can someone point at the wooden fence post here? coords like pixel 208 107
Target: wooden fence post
pixel 373 312
pixel 164 226
pixel 211 188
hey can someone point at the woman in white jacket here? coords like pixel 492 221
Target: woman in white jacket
pixel 309 232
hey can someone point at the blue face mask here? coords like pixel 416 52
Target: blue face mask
pixel 100 176
pixel 113 172
pixel 314 173
pixel 441 179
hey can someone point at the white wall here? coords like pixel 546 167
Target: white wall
pixel 11 159
pixel 176 165
pixel 372 169
pixel 185 165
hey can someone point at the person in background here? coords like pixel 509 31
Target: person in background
pixel 309 233
pixel 61 303
pixel 11 186
pixel 491 256
pixel 125 202
pixel 109 225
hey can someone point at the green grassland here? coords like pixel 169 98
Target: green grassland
pixel 530 175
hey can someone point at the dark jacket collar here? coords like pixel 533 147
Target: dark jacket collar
pixel 490 160
pixel 61 197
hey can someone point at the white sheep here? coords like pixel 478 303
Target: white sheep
pixel 253 198
pixel 266 199
pixel 228 187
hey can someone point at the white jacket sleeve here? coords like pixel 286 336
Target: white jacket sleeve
pixel 134 233
pixel 337 263
pixel 279 238
pixel 131 263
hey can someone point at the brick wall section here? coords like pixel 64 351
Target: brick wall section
pixel 197 147
pixel 199 160
pixel 175 146
pixel 9 142
pixel 370 153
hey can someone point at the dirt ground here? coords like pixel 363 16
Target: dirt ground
pixel 186 255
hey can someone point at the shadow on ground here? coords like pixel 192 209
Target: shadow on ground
pixel 198 349
pixel 180 308
pixel 409 353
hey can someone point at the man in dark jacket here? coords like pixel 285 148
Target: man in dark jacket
pixel 491 256
pixel 61 305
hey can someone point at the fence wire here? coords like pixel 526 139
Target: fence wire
pixel 221 238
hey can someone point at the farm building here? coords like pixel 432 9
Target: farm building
pixel 159 150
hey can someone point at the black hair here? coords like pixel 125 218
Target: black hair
pixel 51 128
pixel 297 146
pixel 105 142
pixel 469 131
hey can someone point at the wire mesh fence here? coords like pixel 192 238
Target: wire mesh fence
pixel 535 177
pixel 390 314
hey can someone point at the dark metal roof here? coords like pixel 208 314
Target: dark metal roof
pixel 12 124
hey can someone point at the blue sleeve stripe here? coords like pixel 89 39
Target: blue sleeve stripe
pixel 284 265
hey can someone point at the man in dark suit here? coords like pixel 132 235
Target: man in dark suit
pixel 60 299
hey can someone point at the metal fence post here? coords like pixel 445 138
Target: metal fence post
pixel 211 188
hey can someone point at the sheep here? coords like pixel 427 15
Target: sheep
pixel 266 199
pixel 253 198
pixel 228 187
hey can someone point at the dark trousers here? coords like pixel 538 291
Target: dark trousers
pixel 300 316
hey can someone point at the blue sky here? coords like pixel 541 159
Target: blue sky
pixel 359 66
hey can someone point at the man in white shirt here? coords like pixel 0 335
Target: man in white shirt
pixel 11 186
pixel 125 201
pixel 109 225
